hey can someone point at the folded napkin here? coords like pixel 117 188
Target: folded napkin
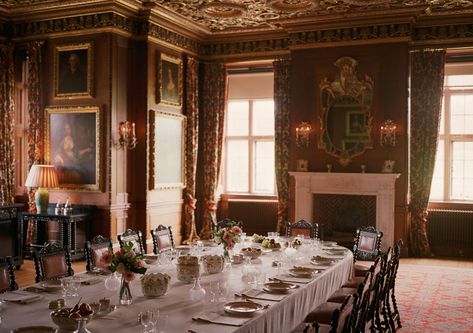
pixel 20 296
pixel 88 281
pixel 291 279
pixel 222 318
pixel 259 294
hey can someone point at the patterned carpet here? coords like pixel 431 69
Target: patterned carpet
pixel 435 299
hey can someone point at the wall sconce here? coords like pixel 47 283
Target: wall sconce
pixel 303 134
pixel 388 133
pixel 127 139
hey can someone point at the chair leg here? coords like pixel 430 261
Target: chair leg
pixel 396 311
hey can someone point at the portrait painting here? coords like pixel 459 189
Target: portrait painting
pixel 73 146
pixel 168 150
pixel 73 71
pixel 356 124
pixel 170 77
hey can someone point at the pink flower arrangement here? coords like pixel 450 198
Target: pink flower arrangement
pixel 228 236
pixel 125 261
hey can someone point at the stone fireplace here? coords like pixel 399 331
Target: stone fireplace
pixel 380 185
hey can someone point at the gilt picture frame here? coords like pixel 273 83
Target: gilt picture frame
pixel 73 71
pixel 167 150
pixel 169 80
pixel 73 145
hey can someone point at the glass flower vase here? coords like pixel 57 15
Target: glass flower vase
pixel 125 293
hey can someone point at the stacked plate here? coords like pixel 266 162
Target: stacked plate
pixel 278 287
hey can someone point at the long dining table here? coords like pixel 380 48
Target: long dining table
pixel 183 314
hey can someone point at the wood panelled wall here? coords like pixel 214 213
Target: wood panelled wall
pixel 388 65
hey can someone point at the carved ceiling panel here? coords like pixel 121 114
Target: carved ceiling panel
pixel 243 15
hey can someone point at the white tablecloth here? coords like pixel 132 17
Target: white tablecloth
pixel 281 316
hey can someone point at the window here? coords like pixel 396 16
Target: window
pixel 453 176
pixel 249 147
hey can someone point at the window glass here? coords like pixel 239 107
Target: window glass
pixel 461 110
pixel 237 118
pixel 462 175
pixel 263 117
pixel 264 166
pixel 237 165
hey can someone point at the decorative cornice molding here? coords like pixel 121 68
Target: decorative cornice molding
pixel 171 37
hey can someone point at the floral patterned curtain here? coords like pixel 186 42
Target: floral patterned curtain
pixel 7 118
pixel 214 97
pixel 427 74
pixel 35 148
pixel 192 136
pixel 282 88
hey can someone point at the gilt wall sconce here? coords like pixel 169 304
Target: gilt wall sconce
pixel 303 134
pixel 388 133
pixel 127 136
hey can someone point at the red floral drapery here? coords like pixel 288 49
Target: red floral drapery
pixel 213 90
pixel 282 88
pixel 427 75
pixel 35 148
pixel 7 134
pixel 192 136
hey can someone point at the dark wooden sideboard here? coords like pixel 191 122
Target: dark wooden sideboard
pixel 10 233
pixel 70 230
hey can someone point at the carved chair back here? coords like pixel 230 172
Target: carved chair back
pixel 52 262
pixel 136 237
pixel 94 250
pixel 302 227
pixel 7 275
pixel 367 244
pixel 162 239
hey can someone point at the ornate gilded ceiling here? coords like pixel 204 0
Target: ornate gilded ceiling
pixel 244 15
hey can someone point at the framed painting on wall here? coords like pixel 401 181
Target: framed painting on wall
pixel 169 80
pixel 167 158
pixel 73 71
pixel 355 124
pixel 73 142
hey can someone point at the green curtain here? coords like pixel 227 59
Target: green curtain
pixel 282 88
pixel 7 129
pixel 427 75
pixel 192 137
pixel 35 148
pixel 214 98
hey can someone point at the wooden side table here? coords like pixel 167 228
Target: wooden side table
pixel 70 230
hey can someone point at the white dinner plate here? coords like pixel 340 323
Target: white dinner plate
pixel 242 307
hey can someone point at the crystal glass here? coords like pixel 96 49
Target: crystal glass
pixel 113 282
pixel 146 319
pixel 81 325
pixel 161 323
pixel 197 293
pixel 213 291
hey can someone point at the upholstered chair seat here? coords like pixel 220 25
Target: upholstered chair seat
pixel 354 282
pixel 362 267
pixel 340 295
pixel 323 313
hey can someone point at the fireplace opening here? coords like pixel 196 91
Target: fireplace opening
pixel 339 216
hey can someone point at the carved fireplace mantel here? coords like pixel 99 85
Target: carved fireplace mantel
pixel 379 184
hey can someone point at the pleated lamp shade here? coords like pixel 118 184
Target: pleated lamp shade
pixel 42 176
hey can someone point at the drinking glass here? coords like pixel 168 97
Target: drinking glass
pixel 145 319
pixel 214 288
pixel 161 323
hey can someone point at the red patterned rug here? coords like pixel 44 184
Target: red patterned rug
pixel 435 299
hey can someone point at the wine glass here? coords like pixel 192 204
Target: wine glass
pixel 145 319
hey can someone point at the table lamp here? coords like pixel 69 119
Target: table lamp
pixel 43 177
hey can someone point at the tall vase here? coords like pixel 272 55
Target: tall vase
pixel 125 293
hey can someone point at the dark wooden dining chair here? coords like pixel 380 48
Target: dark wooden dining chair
pixel 302 227
pixel 7 275
pixel 136 237
pixel 52 262
pixel 162 239
pixel 367 247
pixel 94 250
